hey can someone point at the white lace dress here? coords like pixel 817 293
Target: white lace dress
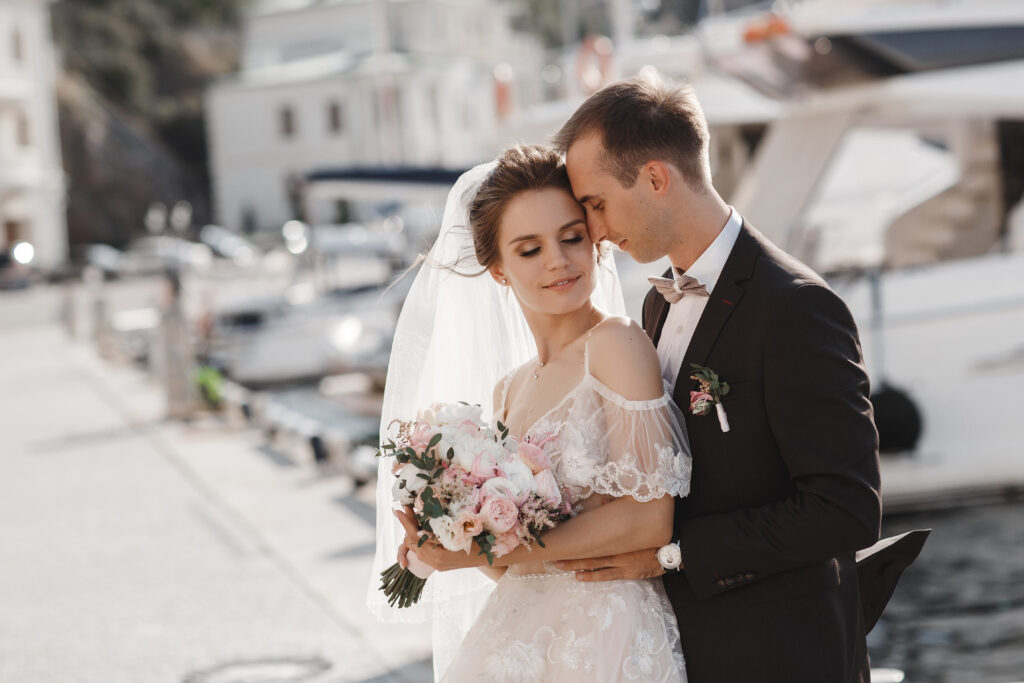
pixel 540 624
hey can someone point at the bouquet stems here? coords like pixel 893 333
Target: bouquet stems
pixel 401 586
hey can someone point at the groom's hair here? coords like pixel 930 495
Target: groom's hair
pixel 641 119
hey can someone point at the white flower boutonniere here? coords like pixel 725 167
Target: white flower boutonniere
pixel 710 392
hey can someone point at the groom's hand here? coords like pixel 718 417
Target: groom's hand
pixel 639 564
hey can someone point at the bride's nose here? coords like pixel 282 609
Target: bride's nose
pixel 557 257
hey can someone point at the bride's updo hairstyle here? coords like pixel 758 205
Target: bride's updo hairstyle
pixel 520 169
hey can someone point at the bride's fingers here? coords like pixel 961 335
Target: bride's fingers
pixel 403 557
pixel 588 564
pixel 412 541
pixel 408 521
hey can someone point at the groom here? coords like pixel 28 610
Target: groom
pixel 766 589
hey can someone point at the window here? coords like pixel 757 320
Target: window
pixel 287 118
pixel 335 121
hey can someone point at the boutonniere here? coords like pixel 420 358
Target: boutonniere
pixel 709 394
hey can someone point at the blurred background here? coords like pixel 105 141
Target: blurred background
pixel 204 207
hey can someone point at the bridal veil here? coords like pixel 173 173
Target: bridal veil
pixel 458 334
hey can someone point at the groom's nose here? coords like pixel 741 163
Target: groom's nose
pixel 597 228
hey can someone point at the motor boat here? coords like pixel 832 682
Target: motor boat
pixel 896 169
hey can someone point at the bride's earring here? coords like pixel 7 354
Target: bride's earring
pixel 504 281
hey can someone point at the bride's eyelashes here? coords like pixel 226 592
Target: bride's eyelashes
pixel 536 250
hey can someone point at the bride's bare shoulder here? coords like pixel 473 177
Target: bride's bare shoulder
pixel 623 358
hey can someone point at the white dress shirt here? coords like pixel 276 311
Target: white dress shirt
pixel 683 316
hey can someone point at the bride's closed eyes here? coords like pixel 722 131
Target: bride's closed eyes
pixel 573 239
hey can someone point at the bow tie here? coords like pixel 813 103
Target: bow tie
pixel 674 289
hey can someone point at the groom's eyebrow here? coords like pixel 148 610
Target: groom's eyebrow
pixel 523 238
pixel 585 198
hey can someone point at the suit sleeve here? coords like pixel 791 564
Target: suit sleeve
pixel 816 397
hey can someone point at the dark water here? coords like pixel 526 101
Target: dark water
pixel 958 613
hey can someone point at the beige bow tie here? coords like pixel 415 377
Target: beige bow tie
pixel 674 289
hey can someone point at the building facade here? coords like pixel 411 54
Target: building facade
pixel 361 84
pixel 31 178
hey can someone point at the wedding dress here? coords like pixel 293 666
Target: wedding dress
pixel 455 337
pixel 540 623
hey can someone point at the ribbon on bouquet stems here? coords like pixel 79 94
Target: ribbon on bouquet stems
pixel 418 567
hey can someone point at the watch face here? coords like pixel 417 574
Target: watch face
pixel 670 556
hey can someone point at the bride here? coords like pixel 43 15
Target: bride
pixel 591 395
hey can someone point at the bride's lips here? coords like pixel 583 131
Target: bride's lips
pixel 563 284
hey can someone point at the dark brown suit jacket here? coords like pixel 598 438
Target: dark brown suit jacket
pixel 778 505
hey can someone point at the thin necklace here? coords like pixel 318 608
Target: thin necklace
pixel 540 364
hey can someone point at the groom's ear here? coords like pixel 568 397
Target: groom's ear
pixel 656 175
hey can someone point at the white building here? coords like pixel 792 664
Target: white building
pixel 361 84
pixel 31 177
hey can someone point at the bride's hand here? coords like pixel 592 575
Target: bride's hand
pixel 442 559
pixel 431 551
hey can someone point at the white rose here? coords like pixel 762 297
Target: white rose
pixel 501 486
pixel 547 487
pixel 413 484
pixel 429 414
pixel 519 474
pixel 467 452
pixel 457 413
pixel 444 528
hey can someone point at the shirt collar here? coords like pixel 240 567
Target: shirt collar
pixel 708 266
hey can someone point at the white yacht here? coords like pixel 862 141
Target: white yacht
pixel 896 169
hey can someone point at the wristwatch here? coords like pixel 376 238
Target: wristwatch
pixel 670 557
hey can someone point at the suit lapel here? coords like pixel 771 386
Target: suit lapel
pixel 657 314
pixel 721 303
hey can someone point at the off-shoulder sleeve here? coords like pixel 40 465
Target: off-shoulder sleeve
pixel 633 448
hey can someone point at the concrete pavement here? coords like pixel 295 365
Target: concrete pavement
pixel 135 550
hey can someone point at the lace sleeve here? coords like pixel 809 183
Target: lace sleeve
pixel 641 450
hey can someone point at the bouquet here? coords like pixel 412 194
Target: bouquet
pixel 468 483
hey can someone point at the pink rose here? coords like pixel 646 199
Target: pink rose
pixel 482 469
pixel 547 488
pixel 534 457
pixel 700 402
pixel 499 514
pixel 505 543
pixel 469 427
pixel 420 437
